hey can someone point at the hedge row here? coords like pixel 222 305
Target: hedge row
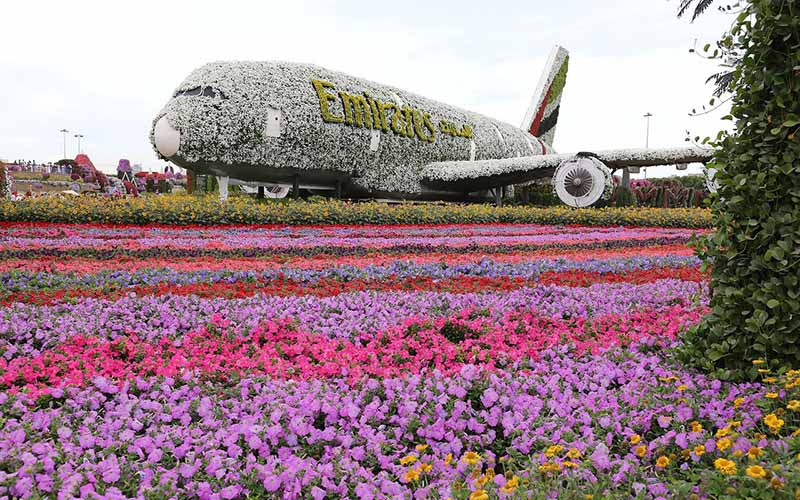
pixel 182 209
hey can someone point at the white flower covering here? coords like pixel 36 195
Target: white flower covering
pixel 6 187
pixel 452 171
pixel 224 134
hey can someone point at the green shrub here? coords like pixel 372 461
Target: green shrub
pixel 755 250
pixel 541 195
pixel 623 197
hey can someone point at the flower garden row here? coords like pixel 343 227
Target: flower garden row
pixel 463 362
pixel 182 209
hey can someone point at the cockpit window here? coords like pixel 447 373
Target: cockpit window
pixel 201 91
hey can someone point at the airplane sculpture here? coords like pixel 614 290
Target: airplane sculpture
pixel 288 125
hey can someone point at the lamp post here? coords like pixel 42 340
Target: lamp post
pixel 647 116
pixel 79 137
pixel 64 132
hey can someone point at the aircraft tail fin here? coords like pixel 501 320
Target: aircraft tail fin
pixel 542 115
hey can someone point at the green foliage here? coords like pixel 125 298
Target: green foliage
pixel 183 209
pixel 538 194
pixel 699 7
pixel 623 197
pixel 755 251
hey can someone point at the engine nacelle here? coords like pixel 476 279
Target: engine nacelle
pixel 582 181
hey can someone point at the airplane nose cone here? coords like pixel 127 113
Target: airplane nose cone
pixel 167 138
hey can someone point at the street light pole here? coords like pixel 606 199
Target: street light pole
pixel 647 116
pixel 79 137
pixel 64 132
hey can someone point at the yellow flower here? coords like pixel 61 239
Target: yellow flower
pixel 553 451
pixel 723 444
pixel 641 451
pixel 725 466
pixel 550 467
pixel 411 475
pixel 738 402
pixel 682 387
pixel 448 459
pixel 421 447
pixel 697 427
pixel 662 462
pixel 771 395
pixel 757 362
pixel 471 457
pixel 423 468
pixel 754 452
pixel 479 495
pixel 756 471
pixel 510 486
pixel 635 439
pixel 775 483
pixel 724 431
pixel 699 450
pixel 773 422
pixel 794 405
pixel 569 464
pixel 738 453
pixel 408 459
pixel 763 370
pixel 574 453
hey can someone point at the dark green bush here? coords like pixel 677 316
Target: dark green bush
pixel 623 197
pixel 755 251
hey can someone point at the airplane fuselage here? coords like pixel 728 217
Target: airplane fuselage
pixel 284 122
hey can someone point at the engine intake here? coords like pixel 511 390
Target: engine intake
pixel 582 181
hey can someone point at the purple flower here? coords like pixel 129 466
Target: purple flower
pixel 273 482
pixel 489 397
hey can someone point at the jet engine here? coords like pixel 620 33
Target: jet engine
pixel 582 180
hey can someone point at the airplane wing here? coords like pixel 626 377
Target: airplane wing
pixel 479 175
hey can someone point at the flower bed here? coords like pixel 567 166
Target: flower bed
pixel 182 210
pixel 463 362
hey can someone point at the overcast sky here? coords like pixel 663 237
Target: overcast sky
pixel 104 69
